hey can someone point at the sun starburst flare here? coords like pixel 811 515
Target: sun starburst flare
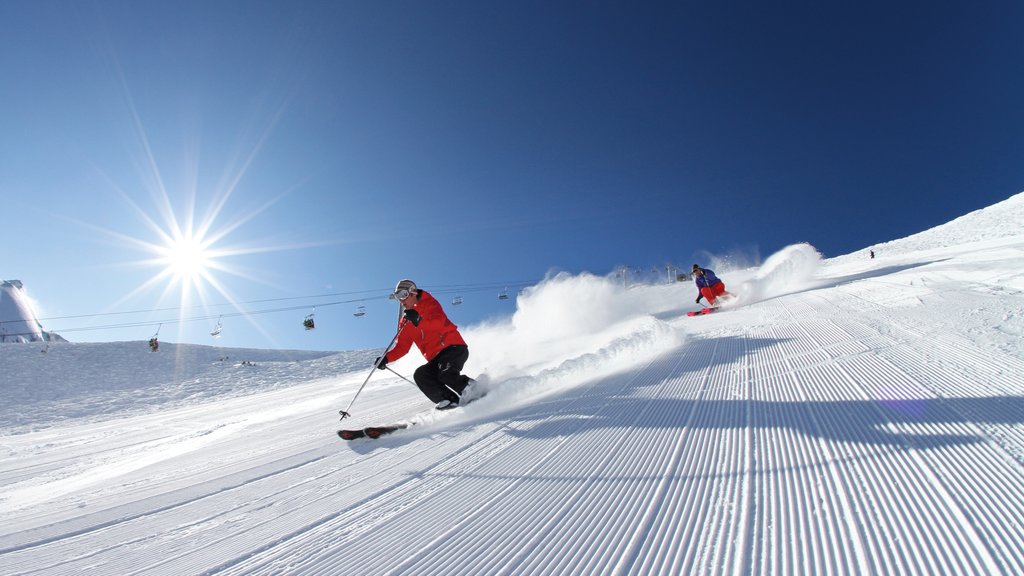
pixel 187 258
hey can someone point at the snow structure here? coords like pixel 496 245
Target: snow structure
pixel 847 416
pixel 18 321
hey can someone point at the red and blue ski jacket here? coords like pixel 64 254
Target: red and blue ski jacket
pixel 435 332
pixel 707 280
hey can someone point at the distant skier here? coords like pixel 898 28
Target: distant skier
pixel 425 324
pixel 872 254
pixel 708 285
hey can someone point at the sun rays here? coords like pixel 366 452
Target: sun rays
pixel 187 233
pixel 192 218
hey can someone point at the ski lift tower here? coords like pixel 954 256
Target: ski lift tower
pixel 672 272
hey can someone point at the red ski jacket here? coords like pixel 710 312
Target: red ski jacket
pixel 435 332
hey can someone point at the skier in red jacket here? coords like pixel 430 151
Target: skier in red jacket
pixel 425 324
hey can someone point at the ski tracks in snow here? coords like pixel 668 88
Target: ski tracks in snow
pixel 817 435
pixel 818 442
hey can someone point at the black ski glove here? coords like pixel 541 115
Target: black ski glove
pixel 412 316
pixel 381 362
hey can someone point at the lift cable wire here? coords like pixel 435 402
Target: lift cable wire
pixel 207 317
pixel 439 289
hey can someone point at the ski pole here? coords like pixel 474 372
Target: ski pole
pixel 344 413
pixel 390 369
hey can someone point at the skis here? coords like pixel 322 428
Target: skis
pixel 369 432
pixel 701 312
pixel 378 431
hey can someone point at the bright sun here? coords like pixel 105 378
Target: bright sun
pixel 187 246
pixel 187 258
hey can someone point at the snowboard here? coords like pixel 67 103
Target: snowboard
pixel 701 312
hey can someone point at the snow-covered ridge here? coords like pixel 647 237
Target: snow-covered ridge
pixel 1003 220
pixel 46 383
pixel 18 320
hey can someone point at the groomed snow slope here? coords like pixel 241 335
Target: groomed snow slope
pixel 852 416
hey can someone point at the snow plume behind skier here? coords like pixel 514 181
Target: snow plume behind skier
pixel 789 270
pixel 569 329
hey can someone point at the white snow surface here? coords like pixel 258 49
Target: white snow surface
pixel 841 416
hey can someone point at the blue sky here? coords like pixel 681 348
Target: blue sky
pixel 325 150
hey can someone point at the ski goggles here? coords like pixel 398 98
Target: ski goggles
pixel 402 294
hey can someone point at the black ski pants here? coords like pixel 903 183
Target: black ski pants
pixel 441 378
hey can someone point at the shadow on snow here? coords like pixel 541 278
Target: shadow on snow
pixel 711 368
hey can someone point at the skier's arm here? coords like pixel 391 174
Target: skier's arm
pixel 403 344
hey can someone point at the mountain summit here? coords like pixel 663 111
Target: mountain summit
pixel 18 321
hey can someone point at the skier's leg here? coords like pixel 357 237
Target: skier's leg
pixel 708 294
pixel 440 379
pixel 716 291
pixel 426 379
pixel 449 365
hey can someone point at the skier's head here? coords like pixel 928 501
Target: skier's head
pixel 696 269
pixel 404 288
